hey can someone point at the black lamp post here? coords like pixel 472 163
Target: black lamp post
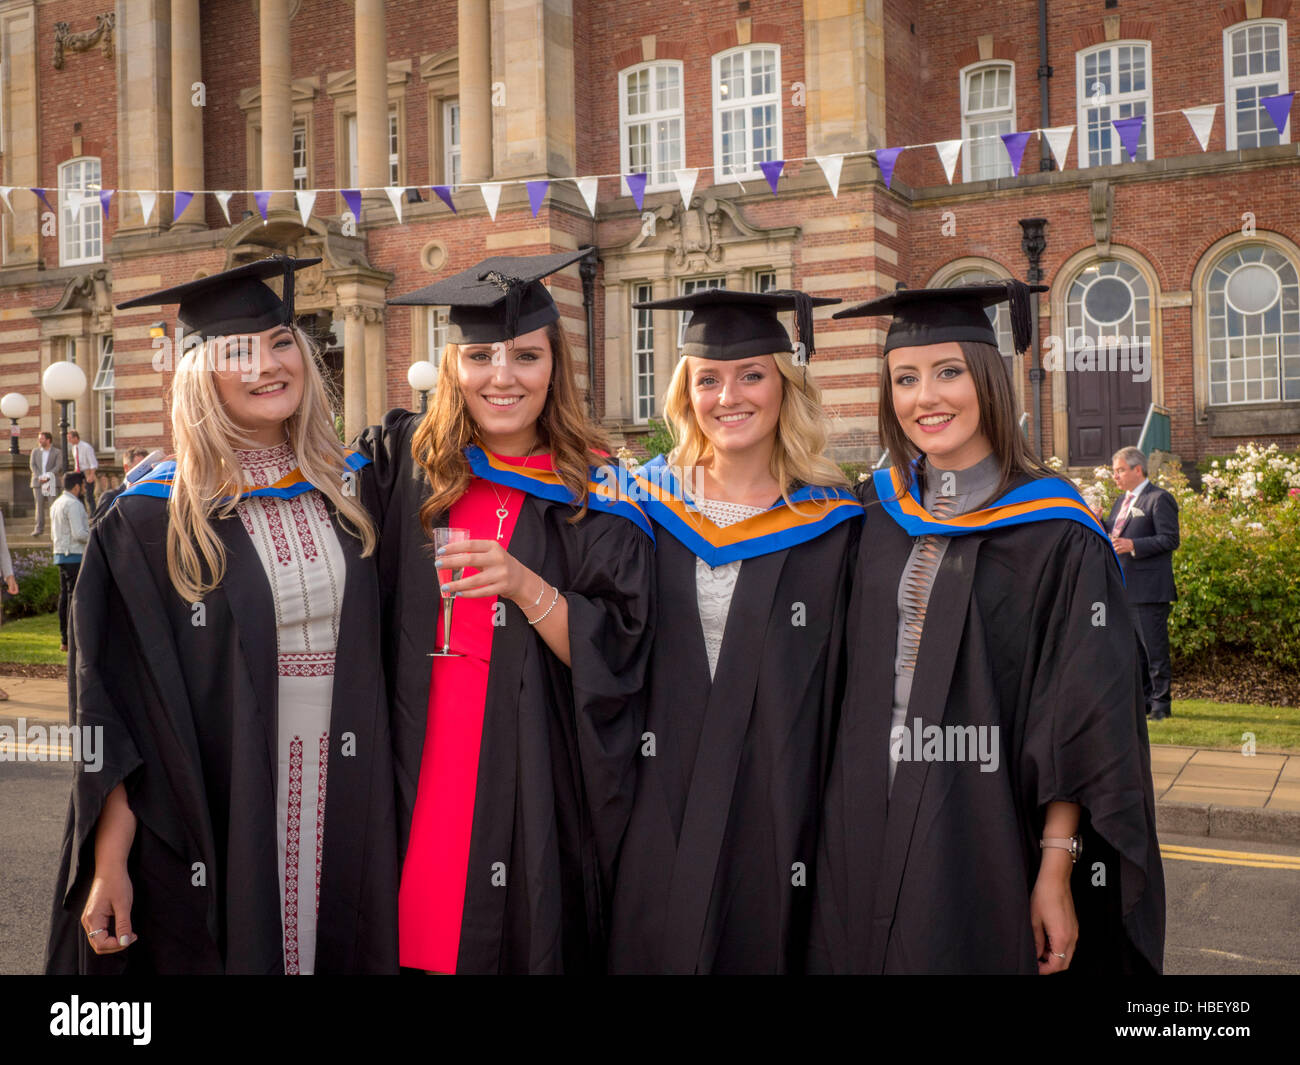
pixel 1033 242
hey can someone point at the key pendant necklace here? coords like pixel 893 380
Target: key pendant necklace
pixel 502 512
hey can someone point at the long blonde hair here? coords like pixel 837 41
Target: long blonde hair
pixel 440 439
pixel 802 431
pixel 207 468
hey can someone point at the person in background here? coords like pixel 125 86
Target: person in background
pixel 81 453
pixel 69 529
pixel 133 459
pixel 47 468
pixel 1143 526
pixel 7 570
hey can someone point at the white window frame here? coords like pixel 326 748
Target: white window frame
pixel 774 98
pixel 643 355
pixel 451 169
pixel 394 146
pixel 756 280
pixel 1230 83
pixel 103 387
pixel 1114 100
pixel 964 79
pixel 300 178
pixel 354 166
pixel 649 118
pixel 90 211
pixel 435 333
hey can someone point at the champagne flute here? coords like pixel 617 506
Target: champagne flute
pixel 445 538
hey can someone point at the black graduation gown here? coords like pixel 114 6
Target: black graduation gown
pixel 936 877
pixel 557 758
pixel 715 871
pixel 188 713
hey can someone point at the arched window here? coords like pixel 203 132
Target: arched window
pixel 1252 303
pixel 1254 65
pixel 81 218
pixel 999 314
pixel 988 109
pixel 746 109
pixel 651 122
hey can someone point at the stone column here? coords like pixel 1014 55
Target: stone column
pixel 187 119
pixel 277 101
pixel 537 133
pixel 372 98
pixel 21 162
pixel 376 367
pixel 845 69
pixel 354 370
pixel 142 49
pixel 474 58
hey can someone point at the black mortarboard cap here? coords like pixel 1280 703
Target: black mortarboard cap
pixel 728 325
pixel 938 315
pixel 499 299
pixel 234 301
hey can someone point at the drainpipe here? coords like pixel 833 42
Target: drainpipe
pixel 1033 243
pixel 587 271
pixel 1044 73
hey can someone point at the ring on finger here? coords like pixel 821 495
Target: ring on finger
pixel 96 932
pixel 1055 955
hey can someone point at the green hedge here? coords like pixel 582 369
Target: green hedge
pixel 38 583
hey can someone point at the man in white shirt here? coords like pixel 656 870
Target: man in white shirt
pixel 81 454
pixel 70 531
pixel 47 472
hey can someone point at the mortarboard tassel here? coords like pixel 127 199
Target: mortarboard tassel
pixel 1022 321
pixel 514 288
pixel 286 298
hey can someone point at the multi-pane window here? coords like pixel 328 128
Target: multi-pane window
pixel 999 314
pixel 695 284
pixel 451 142
pixel 300 155
pixel 643 355
pixel 651 122
pixel 1255 66
pixel 436 335
pixel 103 389
pixel 1109 304
pixel 988 110
pixel 1253 324
pixel 746 109
pixel 1114 82
pixel 764 280
pixel 81 237
pixel 394 148
pixel 354 168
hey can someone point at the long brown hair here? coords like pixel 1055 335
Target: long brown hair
pixel 997 407
pixel 447 429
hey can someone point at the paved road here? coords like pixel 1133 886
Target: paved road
pixel 1234 911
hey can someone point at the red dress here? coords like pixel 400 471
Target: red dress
pixel 432 895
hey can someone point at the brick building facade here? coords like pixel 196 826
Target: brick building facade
pixel 1191 253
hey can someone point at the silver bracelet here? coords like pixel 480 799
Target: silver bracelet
pixel 539 595
pixel 555 599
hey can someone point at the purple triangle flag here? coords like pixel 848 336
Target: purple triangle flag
pixel 885 159
pixel 262 198
pixel 180 202
pixel 443 192
pixel 352 197
pixel 40 193
pixel 636 186
pixel 105 198
pixel 1130 132
pixel 537 195
pixel 1015 145
pixel 772 171
pixel 1278 108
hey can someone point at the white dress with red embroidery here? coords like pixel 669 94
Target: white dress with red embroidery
pixel 305 566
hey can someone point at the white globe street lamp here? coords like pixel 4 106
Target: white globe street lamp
pixel 14 406
pixel 63 382
pixel 422 376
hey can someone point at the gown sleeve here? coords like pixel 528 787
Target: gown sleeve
pixel 611 622
pixel 1085 730
pixel 388 447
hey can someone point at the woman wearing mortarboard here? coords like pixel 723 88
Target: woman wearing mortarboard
pixel 755 531
pixel 993 729
pixel 515 750
pixel 242 820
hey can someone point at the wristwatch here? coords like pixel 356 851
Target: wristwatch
pixel 1074 845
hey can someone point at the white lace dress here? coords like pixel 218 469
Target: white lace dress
pixel 714 585
pixel 305 567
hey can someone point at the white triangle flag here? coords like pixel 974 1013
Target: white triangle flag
pixel 395 198
pixel 492 197
pixel 587 186
pixel 831 166
pixel 223 199
pixel 147 200
pixel 686 184
pixel 72 199
pixel 1201 120
pixel 5 190
pixel 306 201
pixel 948 152
pixel 1058 139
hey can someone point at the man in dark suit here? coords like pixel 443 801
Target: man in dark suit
pixel 1143 526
